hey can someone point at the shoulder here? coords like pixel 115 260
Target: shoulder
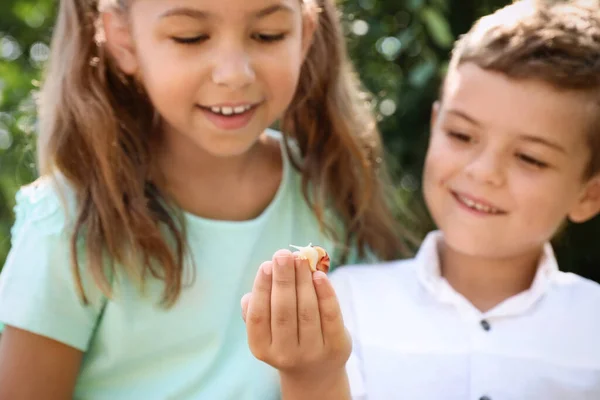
pixel 374 296
pixel 38 290
pixel 574 301
pixel 364 281
pixel 375 271
pixel 570 316
pixel 44 206
pixel 577 291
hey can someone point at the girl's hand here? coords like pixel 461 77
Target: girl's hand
pixel 294 324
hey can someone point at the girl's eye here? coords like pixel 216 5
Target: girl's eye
pixel 190 39
pixel 269 38
pixel 532 161
pixel 460 136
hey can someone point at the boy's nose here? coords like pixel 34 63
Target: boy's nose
pixel 486 168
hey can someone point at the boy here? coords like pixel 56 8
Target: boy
pixel 482 312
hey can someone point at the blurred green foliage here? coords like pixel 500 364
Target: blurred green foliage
pixel 400 48
pixel 24 36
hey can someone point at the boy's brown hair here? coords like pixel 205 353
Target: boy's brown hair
pixel 556 42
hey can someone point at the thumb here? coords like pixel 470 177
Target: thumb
pixel 244 303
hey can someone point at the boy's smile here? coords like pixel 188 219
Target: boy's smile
pixel 476 205
pixel 506 162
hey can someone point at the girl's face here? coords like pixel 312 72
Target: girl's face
pixel 506 163
pixel 218 72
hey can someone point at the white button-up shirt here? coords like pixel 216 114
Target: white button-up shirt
pixel 416 338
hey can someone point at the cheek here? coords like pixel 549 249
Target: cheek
pixel 281 67
pixel 164 72
pixel 436 174
pixel 281 77
pixel 544 201
pixel 278 77
pixel 441 162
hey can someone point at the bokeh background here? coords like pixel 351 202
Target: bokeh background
pixel 400 48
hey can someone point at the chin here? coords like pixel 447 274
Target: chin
pixel 475 245
pixel 488 246
pixel 227 147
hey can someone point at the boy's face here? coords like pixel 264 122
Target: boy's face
pixel 506 163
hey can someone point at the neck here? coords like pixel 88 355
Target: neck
pixel 182 161
pixel 236 187
pixel 486 282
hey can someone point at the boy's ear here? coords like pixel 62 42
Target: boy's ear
pixel 119 42
pixel 588 204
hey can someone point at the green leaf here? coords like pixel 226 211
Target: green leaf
pixel 438 27
pixel 422 73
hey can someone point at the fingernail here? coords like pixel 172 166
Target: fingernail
pixel 267 268
pixel 281 261
pixel 298 262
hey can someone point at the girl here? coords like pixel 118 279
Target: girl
pixel 162 189
pixel 483 311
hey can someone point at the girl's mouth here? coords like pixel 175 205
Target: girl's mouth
pixel 229 110
pixel 230 117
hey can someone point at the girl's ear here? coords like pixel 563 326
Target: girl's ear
pixel 119 41
pixel 309 26
pixel 588 205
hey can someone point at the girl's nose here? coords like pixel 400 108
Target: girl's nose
pixel 233 69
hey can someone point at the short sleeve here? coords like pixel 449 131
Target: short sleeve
pixel 37 287
pixel 354 368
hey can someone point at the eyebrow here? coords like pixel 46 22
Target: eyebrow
pixel 463 115
pixel 540 140
pixel 272 10
pixel 198 14
pixel 523 136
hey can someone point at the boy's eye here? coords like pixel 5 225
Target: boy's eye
pixel 189 39
pixel 265 38
pixel 463 137
pixel 532 161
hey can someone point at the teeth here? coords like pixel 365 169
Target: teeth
pixel 231 110
pixel 478 206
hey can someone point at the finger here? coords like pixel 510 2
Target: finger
pixel 284 323
pixel 244 303
pixel 309 321
pixel 258 315
pixel 332 323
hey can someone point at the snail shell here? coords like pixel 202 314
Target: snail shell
pixel 317 257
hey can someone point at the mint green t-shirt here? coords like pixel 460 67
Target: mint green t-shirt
pixel 133 348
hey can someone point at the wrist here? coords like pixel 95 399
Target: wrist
pixel 332 384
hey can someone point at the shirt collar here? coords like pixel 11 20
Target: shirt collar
pixel 430 277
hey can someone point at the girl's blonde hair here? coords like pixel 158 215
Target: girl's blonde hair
pixel 96 132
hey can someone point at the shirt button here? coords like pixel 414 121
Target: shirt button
pixel 486 327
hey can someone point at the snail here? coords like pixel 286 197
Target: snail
pixel 317 257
